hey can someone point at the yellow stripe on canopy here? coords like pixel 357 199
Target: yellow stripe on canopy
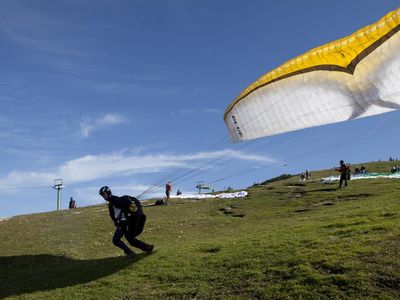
pixel 341 55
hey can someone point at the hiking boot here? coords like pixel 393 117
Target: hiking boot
pixel 131 254
pixel 149 249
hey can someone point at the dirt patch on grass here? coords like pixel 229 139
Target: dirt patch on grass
pixel 226 211
pixel 323 190
pixel 232 210
pixel 387 281
pixel 294 184
pixel 209 248
pixel 327 268
pixel 302 210
pixel 353 196
pixel 324 203
pixel 240 215
pixel 297 193
pixel 389 215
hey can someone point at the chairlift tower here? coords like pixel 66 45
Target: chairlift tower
pixel 58 185
pixel 201 185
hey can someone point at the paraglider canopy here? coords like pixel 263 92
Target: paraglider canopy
pixel 354 77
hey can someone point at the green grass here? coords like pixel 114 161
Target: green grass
pixel 288 239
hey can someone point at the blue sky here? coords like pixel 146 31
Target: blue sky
pixel 131 94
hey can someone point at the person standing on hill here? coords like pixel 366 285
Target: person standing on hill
pixel 72 203
pixel 129 219
pixel 168 190
pixel 343 169
pixel 348 173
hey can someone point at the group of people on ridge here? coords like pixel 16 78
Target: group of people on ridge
pixel 361 170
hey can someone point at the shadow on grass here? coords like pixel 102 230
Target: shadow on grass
pixel 31 273
pixel 323 190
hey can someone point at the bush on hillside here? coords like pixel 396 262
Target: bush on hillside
pixel 281 177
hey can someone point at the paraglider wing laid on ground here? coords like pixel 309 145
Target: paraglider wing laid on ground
pixel 354 77
pixel 240 194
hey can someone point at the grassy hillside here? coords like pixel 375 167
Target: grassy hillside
pixel 288 239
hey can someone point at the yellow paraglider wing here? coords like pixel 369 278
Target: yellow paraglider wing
pixel 356 76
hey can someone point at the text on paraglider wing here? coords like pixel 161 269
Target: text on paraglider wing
pixel 237 126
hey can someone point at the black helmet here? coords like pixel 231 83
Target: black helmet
pixel 105 189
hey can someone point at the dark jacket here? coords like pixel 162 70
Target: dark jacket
pixel 128 205
pixel 342 169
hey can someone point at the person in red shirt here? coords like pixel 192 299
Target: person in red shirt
pixel 168 190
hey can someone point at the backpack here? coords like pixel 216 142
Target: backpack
pixel 136 224
pixel 135 216
pixel 134 207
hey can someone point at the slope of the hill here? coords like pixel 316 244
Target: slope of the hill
pixel 287 239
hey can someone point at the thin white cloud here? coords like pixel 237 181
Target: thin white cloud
pixel 32 29
pixel 88 125
pixel 211 111
pixel 16 179
pixel 95 167
pixel 44 45
pixel 139 84
pixel 202 111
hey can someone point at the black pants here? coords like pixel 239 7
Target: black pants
pixel 343 177
pixel 133 241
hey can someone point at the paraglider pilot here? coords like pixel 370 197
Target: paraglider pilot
pixel 127 215
pixel 168 190
pixel 343 169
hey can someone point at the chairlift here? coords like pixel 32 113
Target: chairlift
pixel 202 186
